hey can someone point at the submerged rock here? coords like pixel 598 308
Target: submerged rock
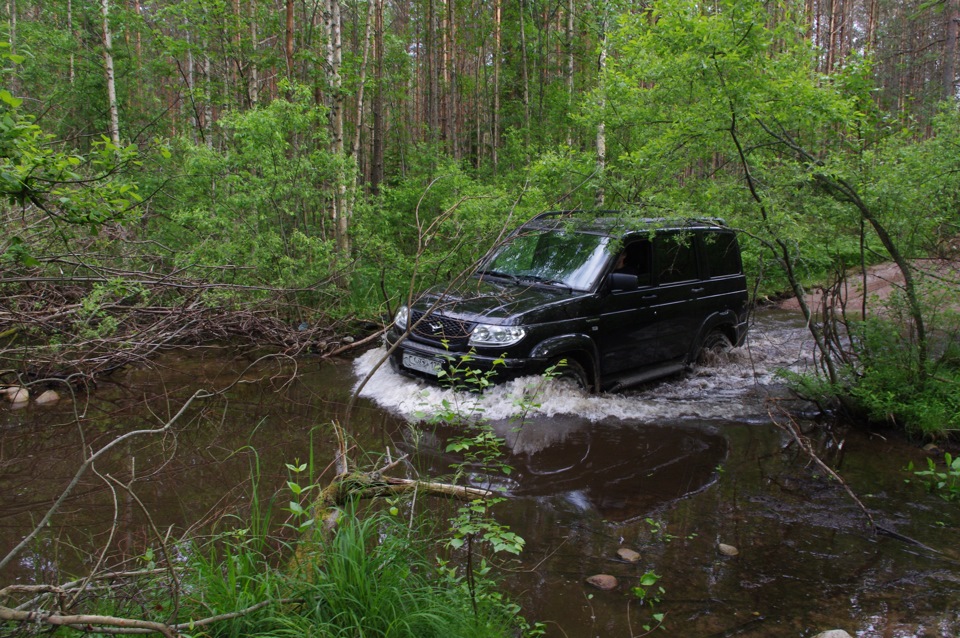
pixel 48 397
pixel 18 395
pixel 605 582
pixel 833 633
pixel 628 555
pixel 728 550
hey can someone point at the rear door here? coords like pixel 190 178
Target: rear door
pixel 679 309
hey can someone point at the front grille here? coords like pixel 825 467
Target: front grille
pixel 439 329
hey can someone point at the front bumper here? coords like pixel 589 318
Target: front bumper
pixel 444 366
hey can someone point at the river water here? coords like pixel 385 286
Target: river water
pixel 670 470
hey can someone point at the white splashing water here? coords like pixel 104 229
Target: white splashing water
pixel 734 389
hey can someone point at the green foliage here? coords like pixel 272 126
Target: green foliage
pixel 44 187
pixel 945 481
pixel 372 579
pixel 256 213
pixel 650 596
pixel 888 387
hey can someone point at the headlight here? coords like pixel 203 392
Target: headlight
pixel 401 319
pixel 484 335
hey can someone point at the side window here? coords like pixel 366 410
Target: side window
pixel 676 257
pixel 636 259
pixel 722 254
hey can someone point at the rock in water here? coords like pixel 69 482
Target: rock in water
pixel 628 555
pixel 603 581
pixel 48 397
pixel 833 633
pixel 18 395
pixel 728 550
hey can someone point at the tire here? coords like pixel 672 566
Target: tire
pixel 714 349
pixel 569 369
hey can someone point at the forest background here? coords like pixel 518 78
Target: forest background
pixel 283 173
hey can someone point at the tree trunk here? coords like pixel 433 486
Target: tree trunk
pixel 524 69
pixel 288 39
pixel 367 42
pixel 340 206
pixel 450 76
pixel 601 126
pixel 72 72
pixel 495 116
pixel 376 146
pixel 254 90
pixel 950 51
pixel 111 79
pixel 570 67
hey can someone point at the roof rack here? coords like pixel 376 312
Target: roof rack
pixel 617 215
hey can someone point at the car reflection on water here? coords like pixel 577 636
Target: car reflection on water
pixel 620 470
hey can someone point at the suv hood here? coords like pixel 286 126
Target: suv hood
pixel 483 301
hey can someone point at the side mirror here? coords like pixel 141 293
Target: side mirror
pixel 621 281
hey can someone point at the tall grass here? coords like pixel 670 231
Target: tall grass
pixel 372 578
pixel 371 581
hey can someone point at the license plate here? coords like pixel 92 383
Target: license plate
pixel 427 365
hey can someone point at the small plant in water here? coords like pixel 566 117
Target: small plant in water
pixel 649 593
pixel 945 482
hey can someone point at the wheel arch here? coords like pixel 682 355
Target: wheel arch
pixel 724 322
pixel 574 346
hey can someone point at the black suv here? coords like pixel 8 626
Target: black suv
pixel 606 299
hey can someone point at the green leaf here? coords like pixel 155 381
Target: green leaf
pixel 8 97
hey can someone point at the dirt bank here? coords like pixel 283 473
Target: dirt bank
pixel 939 278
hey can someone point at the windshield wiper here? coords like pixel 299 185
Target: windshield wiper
pixel 497 273
pixel 545 280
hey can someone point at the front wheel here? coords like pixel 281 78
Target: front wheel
pixel 714 349
pixel 569 370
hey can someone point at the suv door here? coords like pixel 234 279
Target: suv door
pixel 625 328
pixel 679 308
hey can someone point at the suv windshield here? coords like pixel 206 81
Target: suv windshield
pixel 573 260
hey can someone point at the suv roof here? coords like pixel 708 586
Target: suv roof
pixel 614 222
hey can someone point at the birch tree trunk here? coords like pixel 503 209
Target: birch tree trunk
pixel 367 41
pixel 340 206
pixel 601 126
pixel 111 79
pixel 570 67
pixel 72 72
pixel 495 117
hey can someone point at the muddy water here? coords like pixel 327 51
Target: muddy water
pixel 670 470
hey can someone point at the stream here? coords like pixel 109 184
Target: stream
pixel 670 470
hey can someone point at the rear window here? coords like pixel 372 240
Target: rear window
pixel 722 254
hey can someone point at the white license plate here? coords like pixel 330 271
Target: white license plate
pixel 427 365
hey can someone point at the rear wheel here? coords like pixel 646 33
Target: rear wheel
pixel 714 349
pixel 570 370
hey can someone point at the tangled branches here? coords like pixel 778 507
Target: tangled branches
pixel 80 328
